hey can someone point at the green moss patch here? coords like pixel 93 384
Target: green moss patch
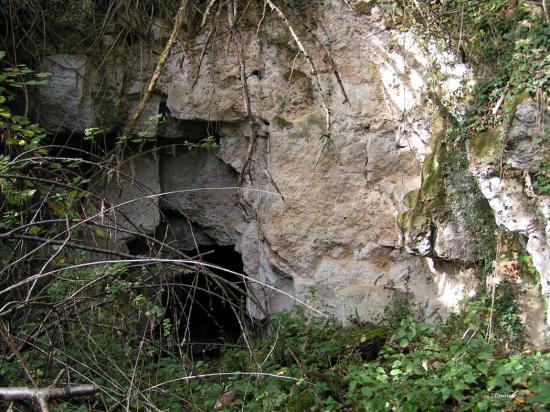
pixel 281 122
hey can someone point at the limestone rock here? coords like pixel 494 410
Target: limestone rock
pixel 315 219
pixel 457 220
pixel 65 102
pixel 454 241
pixel 204 192
pixel 418 237
pixel 183 234
pixel 509 202
pixel 522 149
pixel 134 187
pixel 234 144
pixel 319 221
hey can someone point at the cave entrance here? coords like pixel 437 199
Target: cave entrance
pixel 207 306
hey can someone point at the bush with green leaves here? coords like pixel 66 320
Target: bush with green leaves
pixel 424 367
pixel 318 364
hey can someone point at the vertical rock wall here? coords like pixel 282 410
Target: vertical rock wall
pixel 315 216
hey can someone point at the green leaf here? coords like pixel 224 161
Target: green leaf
pixel 34 230
pixel 483 368
pixel 445 393
pixel 400 333
pixel 469 378
pixel 36 82
pixel 367 392
pixel 483 355
pixel 543 393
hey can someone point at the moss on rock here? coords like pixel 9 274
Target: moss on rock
pixel 281 122
pixel 448 196
pixel 423 203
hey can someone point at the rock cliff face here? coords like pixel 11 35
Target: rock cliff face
pixel 316 213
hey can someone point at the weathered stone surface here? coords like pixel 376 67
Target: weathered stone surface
pixel 235 138
pixel 458 219
pixel 507 197
pixel 65 102
pixel 453 283
pixel 205 193
pixel 182 234
pixel 331 239
pixel 134 187
pixel 522 150
pixel 442 215
pixel 418 237
pixel 454 240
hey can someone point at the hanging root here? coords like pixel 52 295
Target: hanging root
pixel 328 53
pixel 235 35
pixel 208 40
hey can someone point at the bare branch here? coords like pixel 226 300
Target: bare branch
pixel 13 347
pixel 211 375
pixel 25 393
pixel 175 262
pixel 119 205
pixel 158 69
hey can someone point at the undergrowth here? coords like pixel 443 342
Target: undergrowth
pixel 317 364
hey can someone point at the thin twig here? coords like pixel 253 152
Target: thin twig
pixel 51 259
pixel 212 375
pixel 13 347
pixel 235 35
pixel 119 205
pixel 176 262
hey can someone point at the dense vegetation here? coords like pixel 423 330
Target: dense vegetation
pixel 319 365
pixel 75 312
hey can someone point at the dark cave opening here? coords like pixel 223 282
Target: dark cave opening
pixel 138 246
pixel 207 306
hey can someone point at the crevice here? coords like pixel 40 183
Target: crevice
pixel 173 130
